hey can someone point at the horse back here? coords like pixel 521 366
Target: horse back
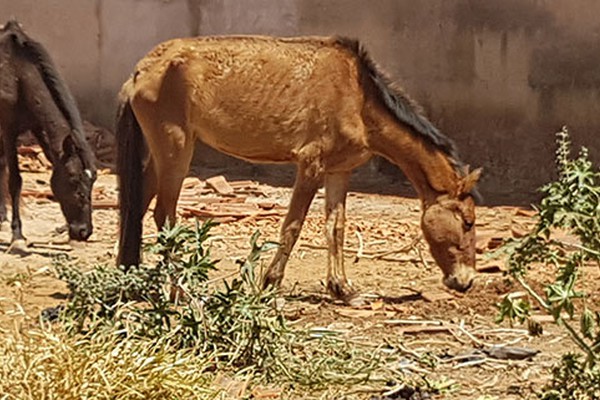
pixel 257 98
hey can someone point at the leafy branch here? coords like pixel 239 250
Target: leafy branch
pixel 570 204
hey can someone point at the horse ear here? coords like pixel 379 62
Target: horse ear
pixel 17 39
pixel 470 180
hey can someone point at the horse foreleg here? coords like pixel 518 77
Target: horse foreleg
pixel 336 187
pixel 305 187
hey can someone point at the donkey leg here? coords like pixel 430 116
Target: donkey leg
pixel 15 183
pixel 3 186
pixel 172 165
pixel 150 184
pixel 305 187
pixel 336 187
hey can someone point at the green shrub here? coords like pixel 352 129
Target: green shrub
pixel 571 204
pixel 235 326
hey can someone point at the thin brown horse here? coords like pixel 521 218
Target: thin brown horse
pixel 320 103
pixel 34 97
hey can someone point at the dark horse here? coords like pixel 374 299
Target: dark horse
pixel 34 97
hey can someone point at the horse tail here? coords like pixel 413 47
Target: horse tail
pixel 130 157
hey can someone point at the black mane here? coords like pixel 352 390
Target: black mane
pixel 37 54
pixel 406 110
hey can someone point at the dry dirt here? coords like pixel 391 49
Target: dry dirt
pixel 395 270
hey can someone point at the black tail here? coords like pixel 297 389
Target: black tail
pixel 130 156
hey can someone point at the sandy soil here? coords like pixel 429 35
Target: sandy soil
pixel 395 270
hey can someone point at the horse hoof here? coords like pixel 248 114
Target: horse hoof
pixel 355 301
pixel 271 282
pixel 18 247
pixel 345 292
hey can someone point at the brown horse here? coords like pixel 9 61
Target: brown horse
pixel 320 103
pixel 34 97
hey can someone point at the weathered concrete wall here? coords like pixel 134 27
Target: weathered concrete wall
pixel 499 76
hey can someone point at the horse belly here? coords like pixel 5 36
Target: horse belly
pixel 253 133
pixel 253 146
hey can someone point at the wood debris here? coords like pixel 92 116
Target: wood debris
pixel 32 158
pixel 41 193
pixel 224 201
pixel 523 212
pixel 220 184
pixel 214 198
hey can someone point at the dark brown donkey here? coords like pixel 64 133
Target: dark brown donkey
pixel 320 103
pixel 34 97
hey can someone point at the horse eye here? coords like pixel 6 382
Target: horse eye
pixel 468 225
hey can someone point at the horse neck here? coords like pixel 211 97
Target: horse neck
pixel 45 120
pixel 428 168
pixel 51 134
pixel 41 113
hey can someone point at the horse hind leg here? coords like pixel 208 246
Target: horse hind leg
pixel 15 183
pixel 336 188
pixel 150 184
pixel 305 188
pixel 171 164
pixel 3 189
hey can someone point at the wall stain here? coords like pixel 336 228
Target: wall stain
pixel 507 15
pixel 461 58
pixel 503 49
pixel 565 63
pixel 195 7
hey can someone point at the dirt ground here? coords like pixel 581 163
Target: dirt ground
pixel 392 268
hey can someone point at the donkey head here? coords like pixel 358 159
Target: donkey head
pixel 449 228
pixel 72 182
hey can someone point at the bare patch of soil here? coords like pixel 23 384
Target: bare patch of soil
pixel 407 301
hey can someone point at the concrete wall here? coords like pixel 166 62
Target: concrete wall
pixel 499 76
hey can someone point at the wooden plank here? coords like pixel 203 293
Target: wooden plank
pixel 220 184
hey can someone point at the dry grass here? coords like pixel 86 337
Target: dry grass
pixel 220 342
pixel 50 364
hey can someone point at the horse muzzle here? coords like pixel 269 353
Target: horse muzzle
pixel 461 281
pixel 80 232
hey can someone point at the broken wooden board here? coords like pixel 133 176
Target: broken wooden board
pixel 220 185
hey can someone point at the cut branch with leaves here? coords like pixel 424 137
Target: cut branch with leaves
pixel 571 204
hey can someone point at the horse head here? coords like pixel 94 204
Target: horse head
pixel 72 181
pixel 449 228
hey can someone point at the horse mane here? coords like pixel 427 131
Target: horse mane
pixel 400 105
pixel 61 95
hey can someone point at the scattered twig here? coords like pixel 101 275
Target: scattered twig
pixel 403 249
pixel 471 363
pixel 359 252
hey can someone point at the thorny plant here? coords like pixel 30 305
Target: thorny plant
pixel 571 204
pixel 238 326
